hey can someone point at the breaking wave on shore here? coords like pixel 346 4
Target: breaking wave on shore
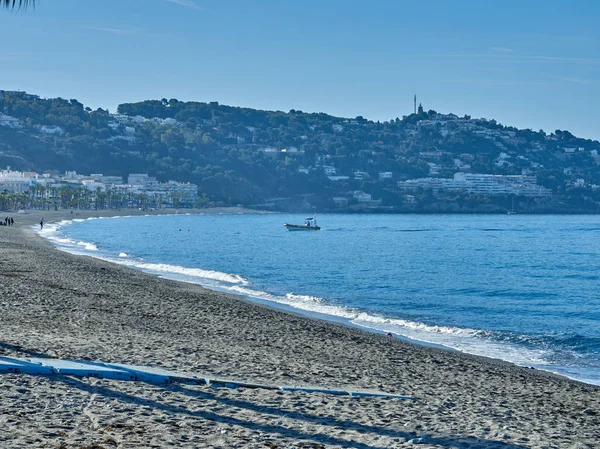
pixel 550 351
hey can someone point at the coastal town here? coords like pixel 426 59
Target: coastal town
pixel 97 191
pixel 206 154
pixel 30 190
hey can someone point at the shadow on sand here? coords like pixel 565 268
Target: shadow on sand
pixel 20 349
pixel 274 430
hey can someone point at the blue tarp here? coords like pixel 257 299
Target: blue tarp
pixel 117 371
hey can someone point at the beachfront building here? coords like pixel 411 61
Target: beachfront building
pixel 90 191
pixel 137 179
pixel 16 181
pixel 107 180
pixel 172 193
pixel 182 193
pixel 159 194
pixel 492 185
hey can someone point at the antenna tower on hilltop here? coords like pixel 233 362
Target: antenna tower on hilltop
pixel 415 103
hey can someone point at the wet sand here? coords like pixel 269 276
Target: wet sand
pixel 54 304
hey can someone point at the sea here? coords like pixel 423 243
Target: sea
pixel 521 288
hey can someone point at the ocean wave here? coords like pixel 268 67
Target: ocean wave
pixel 52 232
pixel 434 329
pixel 165 269
pixel 473 341
pixel 88 246
pixel 306 298
pixel 302 302
pixel 544 351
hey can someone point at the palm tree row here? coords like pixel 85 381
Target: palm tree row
pixel 65 197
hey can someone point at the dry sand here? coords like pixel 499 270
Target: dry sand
pixel 58 305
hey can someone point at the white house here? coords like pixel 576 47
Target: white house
pixel 340 201
pixel 51 129
pixel 269 151
pixel 329 170
pixel 11 122
pixel 362 197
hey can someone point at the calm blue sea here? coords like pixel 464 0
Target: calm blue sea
pixel 513 287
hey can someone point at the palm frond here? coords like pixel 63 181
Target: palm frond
pixel 12 4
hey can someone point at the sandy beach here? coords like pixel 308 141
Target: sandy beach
pixel 53 304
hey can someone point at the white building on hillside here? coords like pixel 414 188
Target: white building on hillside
pixel 11 122
pixel 329 170
pixel 45 129
pixel 521 185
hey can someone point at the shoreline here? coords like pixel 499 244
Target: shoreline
pixel 289 308
pixel 62 305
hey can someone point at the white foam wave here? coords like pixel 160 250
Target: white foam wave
pixel 470 341
pixel 88 246
pixel 463 339
pixel 64 241
pixel 52 232
pixel 465 332
pixel 306 298
pixel 467 340
pixel 166 269
pixel 302 302
pixel 196 275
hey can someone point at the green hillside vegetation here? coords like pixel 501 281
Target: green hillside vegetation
pixel 234 154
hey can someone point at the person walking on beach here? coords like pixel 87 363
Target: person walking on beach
pixel 12 221
pixel 41 224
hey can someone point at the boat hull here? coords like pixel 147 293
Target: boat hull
pixel 291 227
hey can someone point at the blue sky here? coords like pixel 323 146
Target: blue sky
pixel 528 63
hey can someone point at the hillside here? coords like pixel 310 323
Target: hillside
pixel 298 160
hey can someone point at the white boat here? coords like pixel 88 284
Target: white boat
pixel 310 224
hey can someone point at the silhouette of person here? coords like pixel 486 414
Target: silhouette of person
pixel 42 223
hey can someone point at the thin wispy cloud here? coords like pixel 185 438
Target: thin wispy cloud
pixel 502 49
pixel 117 31
pixel 494 83
pixel 187 4
pixel 509 57
pixel 564 59
pixel 13 56
pixel 571 79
